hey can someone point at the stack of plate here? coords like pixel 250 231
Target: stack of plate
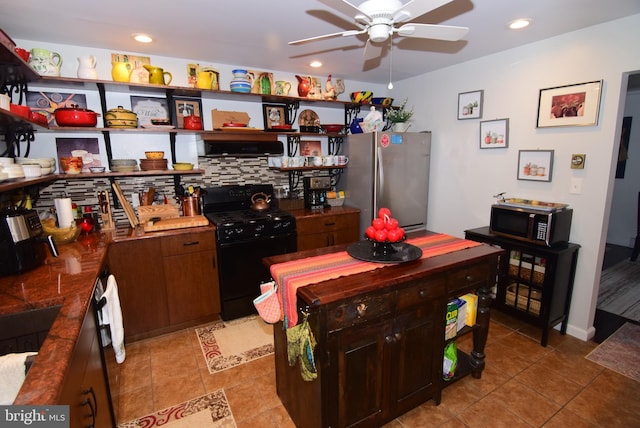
pixel 124 165
pixel 153 164
pixel 13 170
pixel 47 165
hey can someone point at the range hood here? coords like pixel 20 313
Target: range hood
pixel 237 144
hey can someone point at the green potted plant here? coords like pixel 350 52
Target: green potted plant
pixel 399 117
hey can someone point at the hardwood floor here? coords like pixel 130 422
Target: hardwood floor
pixel 523 385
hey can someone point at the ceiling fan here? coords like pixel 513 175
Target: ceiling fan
pixel 378 19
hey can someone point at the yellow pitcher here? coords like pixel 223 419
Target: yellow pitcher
pixel 157 74
pixel 207 79
pixel 121 71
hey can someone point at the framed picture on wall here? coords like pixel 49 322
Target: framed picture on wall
pixel 570 105
pixel 185 107
pixel 494 134
pixel 470 105
pixel 274 115
pixel 535 165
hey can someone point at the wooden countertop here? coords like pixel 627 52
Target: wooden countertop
pixel 67 280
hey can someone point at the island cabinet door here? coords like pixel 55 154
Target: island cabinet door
pixel 416 358
pixel 357 376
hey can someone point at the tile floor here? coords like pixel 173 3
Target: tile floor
pixel 523 385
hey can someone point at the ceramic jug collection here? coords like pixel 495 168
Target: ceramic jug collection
pixel 304 85
pixel 87 67
pixel 157 75
pixel 45 62
pixel 282 87
pixel 207 79
pixel 121 71
pixel 242 81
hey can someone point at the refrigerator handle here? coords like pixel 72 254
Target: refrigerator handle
pixel 380 175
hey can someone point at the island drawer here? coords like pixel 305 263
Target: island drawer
pixel 422 291
pixel 468 278
pixel 359 309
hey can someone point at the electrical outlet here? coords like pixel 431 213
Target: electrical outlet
pixel 576 186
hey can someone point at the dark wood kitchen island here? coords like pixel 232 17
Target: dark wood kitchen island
pixel 380 333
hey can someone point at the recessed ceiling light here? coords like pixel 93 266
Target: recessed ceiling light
pixel 316 64
pixel 142 38
pixel 519 23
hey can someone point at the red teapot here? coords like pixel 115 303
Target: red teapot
pixel 193 122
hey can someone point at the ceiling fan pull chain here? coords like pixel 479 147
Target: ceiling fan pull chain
pixel 390 86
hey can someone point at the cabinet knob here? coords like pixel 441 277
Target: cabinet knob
pixel 469 278
pixel 388 339
pixel 422 293
pixel 361 309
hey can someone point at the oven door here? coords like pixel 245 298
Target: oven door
pixel 241 271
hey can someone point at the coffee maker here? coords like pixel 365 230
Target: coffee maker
pixel 21 241
pixel 315 191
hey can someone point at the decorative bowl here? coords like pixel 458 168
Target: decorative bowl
pixel 362 97
pixel 183 166
pixel 154 155
pixel 160 121
pixel 60 235
pixel 97 169
pixel 332 127
pixel 385 102
pixel 335 202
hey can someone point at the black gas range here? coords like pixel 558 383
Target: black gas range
pixel 244 236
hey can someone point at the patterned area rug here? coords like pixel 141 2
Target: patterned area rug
pixel 620 352
pixel 227 344
pixel 619 291
pixel 209 411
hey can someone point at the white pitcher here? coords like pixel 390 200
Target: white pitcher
pixel 87 67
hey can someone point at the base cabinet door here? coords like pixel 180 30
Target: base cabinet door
pixel 326 230
pixel 85 386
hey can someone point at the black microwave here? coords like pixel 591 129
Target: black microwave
pixel 536 226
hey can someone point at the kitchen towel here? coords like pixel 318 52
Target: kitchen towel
pixel 64 212
pixel 12 373
pixel 112 315
pixel 298 273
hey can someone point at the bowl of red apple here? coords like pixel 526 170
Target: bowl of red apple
pixel 384 232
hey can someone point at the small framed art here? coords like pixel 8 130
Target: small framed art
pixel 470 105
pixel 535 165
pixel 494 134
pixel 274 115
pixel 185 107
pixel 147 108
pixel 570 105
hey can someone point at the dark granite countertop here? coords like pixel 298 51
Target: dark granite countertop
pixel 67 280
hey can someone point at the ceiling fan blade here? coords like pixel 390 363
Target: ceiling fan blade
pixel 430 31
pixel 372 50
pixel 344 7
pixel 327 36
pixel 416 8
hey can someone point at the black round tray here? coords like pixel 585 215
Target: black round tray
pixel 399 252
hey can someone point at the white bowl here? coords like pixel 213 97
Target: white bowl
pixel 6 161
pixel 31 170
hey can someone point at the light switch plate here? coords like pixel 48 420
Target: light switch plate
pixel 578 160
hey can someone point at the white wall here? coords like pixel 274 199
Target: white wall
pixel 464 178
pixel 624 207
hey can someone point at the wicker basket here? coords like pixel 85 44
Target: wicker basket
pixel 525 271
pixel 523 297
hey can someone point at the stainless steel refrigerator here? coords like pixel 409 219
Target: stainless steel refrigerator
pixel 391 170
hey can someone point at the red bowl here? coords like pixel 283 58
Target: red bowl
pixel 332 127
pixel 20 110
pixel 281 127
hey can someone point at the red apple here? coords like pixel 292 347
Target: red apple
pixel 381 235
pixel 395 235
pixel 391 224
pixel 370 232
pixel 377 223
pixel 384 212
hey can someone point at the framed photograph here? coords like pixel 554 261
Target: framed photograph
pixel 86 148
pixel 470 105
pixel 494 134
pixel 571 105
pixel 274 115
pixel 185 107
pixel 535 165
pixel 47 102
pixel 147 108
pixel 310 148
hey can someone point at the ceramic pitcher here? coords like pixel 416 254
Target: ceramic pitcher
pixel 45 62
pixel 282 87
pixel 157 75
pixel 87 67
pixel 120 71
pixel 242 81
pixel 207 79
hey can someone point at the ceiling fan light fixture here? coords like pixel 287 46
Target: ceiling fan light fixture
pixel 519 24
pixel 379 32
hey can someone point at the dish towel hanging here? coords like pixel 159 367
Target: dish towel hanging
pixel 12 373
pixel 112 315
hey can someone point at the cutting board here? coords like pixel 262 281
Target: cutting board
pixel 175 223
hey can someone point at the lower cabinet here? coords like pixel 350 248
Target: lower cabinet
pixel 318 230
pixel 85 387
pixel 166 283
